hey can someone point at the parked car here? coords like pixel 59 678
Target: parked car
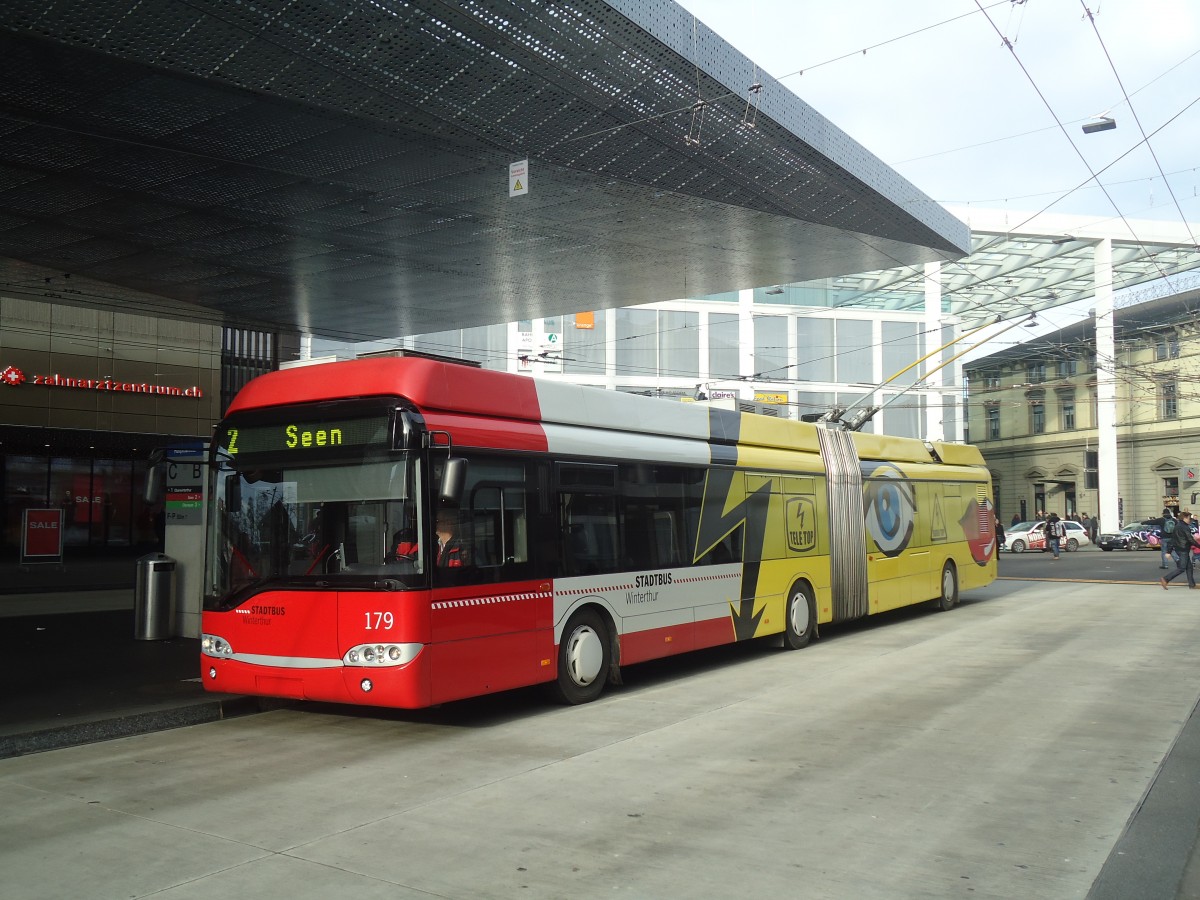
pixel 1032 536
pixel 1137 536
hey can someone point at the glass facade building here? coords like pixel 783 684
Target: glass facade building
pixel 777 346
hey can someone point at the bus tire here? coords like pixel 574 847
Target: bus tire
pixel 800 617
pixel 584 658
pixel 948 599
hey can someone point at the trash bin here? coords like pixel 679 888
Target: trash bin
pixel 154 598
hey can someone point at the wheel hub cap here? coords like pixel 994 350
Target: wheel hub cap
pixel 800 614
pixel 585 655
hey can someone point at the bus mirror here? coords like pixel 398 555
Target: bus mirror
pixel 454 478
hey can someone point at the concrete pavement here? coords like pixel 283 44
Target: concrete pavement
pixel 1036 742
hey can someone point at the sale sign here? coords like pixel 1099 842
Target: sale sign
pixel 41 535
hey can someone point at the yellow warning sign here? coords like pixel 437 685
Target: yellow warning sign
pixel 518 178
pixel 939 521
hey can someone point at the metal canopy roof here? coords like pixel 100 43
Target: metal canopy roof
pixel 1022 263
pixel 342 167
pixel 1131 325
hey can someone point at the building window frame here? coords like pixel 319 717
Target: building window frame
pixel 1037 417
pixel 993 422
pixel 1166 346
pixel 1168 398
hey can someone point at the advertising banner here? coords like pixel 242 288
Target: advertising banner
pixel 41 536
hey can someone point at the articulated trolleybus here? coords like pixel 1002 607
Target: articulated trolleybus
pixel 406 531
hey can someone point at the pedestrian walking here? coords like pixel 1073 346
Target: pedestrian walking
pixel 1183 541
pixel 1166 526
pixel 1056 531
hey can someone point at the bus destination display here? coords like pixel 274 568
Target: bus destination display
pixel 284 439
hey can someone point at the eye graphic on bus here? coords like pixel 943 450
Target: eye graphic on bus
pixel 889 506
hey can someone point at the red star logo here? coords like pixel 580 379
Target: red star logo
pixel 12 375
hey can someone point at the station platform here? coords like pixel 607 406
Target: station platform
pixel 73 673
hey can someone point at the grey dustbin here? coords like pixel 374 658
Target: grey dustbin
pixel 154 598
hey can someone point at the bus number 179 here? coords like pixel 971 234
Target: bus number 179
pixel 379 621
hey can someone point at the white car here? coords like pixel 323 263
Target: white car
pixel 1032 536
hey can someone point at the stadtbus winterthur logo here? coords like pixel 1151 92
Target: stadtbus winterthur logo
pixel 13 376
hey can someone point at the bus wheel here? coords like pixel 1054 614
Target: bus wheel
pixel 949 596
pixel 800 621
pixel 583 658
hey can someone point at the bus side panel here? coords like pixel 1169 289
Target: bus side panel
pixel 653 635
pixel 887 588
pixel 713 630
pixel 480 610
pixel 484 665
pixel 484 638
pixel 917 519
pixel 659 612
pixel 477 431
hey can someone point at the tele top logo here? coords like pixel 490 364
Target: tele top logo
pixel 12 375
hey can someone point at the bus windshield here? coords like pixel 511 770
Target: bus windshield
pixel 336 526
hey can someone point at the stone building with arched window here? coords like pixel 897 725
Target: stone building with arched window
pixel 1033 411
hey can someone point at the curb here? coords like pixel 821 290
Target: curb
pixel 126 726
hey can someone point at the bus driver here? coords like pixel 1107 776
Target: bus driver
pixel 450 552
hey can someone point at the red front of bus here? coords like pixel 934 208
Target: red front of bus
pixel 335 646
pixel 319 555
pixel 324 577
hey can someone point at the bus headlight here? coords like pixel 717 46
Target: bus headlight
pixel 212 645
pixel 375 655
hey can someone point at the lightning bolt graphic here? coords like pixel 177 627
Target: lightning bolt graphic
pixel 720 517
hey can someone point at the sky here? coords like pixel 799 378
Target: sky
pixel 983 104
pixel 941 99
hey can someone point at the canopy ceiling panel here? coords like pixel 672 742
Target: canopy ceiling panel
pixel 341 168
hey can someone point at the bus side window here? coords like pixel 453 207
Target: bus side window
pixel 665 542
pixel 499 535
pixel 493 527
pixel 650 539
pixel 590 526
